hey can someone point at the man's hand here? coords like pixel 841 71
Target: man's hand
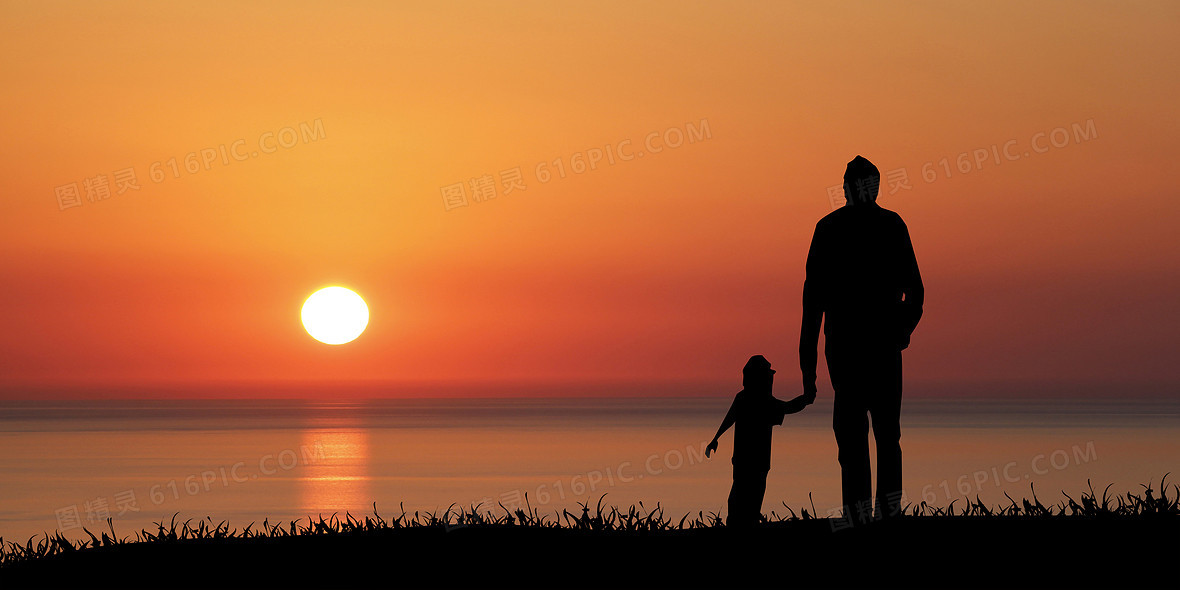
pixel 809 391
pixel 712 448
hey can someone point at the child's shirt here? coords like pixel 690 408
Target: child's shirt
pixel 754 415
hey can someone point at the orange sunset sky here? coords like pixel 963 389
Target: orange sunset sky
pixel 1049 267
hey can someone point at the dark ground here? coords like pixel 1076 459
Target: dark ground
pixel 927 552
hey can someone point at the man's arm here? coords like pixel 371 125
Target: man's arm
pixel 913 293
pixel 728 421
pixel 813 314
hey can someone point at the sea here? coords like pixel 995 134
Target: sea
pixel 132 465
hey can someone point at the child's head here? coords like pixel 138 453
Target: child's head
pixel 757 374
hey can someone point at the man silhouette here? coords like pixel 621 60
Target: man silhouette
pixel 863 284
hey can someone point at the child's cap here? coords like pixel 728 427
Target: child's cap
pixel 756 364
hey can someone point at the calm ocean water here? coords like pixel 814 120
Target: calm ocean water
pixel 68 465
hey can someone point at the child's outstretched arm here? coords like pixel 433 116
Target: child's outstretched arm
pixel 797 404
pixel 725 424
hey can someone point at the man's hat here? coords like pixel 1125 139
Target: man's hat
pixel 756 364
pixel 859 168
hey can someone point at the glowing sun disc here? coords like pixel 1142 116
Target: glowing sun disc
pixel 335 315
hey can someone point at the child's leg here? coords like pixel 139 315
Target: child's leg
pixel 737 504
pixel 745 497
pixel 757 494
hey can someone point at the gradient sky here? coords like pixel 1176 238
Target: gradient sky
pixel 1049 270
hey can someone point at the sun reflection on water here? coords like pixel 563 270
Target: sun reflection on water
pixel 337 480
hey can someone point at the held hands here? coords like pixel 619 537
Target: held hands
pixel 712 448
pixel 809 391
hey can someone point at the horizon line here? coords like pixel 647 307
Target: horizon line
pixel 569 388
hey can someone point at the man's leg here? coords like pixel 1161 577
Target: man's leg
pixel 851 425
pixel 886 413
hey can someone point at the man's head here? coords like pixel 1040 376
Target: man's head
pixel 757 374
pixel 861 181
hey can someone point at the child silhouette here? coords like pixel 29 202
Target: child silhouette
pixel 753 413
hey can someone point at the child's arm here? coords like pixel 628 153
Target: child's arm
pixel 725 424
pixel 796 405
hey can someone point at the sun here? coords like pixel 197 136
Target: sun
pixel 335 315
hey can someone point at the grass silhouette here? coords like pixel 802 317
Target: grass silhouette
pixel 593 533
